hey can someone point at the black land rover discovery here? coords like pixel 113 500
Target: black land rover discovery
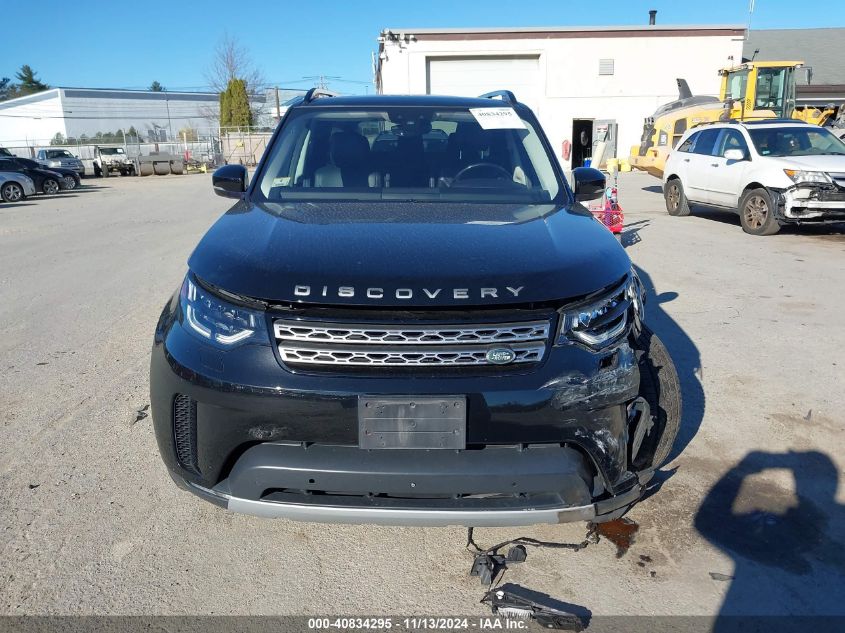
pixel 408 318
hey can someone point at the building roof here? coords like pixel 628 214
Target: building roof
pixel 110 93
pixel 533 32
pixel 820 48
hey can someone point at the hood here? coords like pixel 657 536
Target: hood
pixel 408 254
pixel 830 164
pixel 45 172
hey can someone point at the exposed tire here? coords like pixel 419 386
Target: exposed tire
pixel 70 183
pixel 177 167
pixel 146 169
pixel 757 212
pixel 660 386
pixel 676 200
pixel 50 186
pixel 12 192
pixel 161 168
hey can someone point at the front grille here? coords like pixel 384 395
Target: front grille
pixel 306 342
pixel 185 431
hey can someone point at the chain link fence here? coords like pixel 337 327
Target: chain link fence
pixel 210 147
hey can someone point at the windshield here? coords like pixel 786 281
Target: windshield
pixel 796 141
pixel 111 150
pixel 59 153
pixel 409 153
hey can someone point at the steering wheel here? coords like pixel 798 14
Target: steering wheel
pixel 502 171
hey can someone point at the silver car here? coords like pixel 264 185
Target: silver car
pixel 15 186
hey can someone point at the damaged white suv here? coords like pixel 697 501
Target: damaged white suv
pixel 772 172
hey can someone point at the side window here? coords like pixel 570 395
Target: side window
pixel 678 131
pixel 686 146
pixel 737 84
pixel 706 142
pixel 731 139
pixel 7 165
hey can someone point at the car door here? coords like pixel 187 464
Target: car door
pixel 698 166
pixel 7 164
pixel 726 178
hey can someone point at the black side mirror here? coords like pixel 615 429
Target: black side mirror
pixel 230 181
pixel 589 183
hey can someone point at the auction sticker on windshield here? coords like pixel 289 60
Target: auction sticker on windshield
pixel 497 118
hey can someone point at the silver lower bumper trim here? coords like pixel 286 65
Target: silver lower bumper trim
pixel 390 516
pixel 600 511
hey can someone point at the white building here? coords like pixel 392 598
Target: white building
pixel 582 83
pixel 35 120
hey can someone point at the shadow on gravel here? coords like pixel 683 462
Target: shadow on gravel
pixel 786 542
pixel 631 233
pixel 57 196
pixel 684 354
pixel 12 205
pixel 730 217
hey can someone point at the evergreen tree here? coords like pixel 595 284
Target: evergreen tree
pixel 156 87
pixel 29 83
pixel 5 88
pixel 241 115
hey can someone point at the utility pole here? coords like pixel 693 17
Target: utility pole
pixel 322 80
pixel 278 107
pixel 169 122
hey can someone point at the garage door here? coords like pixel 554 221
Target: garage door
pixel 473 76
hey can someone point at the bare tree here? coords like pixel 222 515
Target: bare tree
pixel 233 61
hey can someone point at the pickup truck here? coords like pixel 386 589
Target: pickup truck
pixel 60 158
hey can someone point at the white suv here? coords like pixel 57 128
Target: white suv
pixel 771 172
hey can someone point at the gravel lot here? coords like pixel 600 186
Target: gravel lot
pixel 749 518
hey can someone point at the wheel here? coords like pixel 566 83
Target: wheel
pixel 757 212
pixel 676 201
pixel 161 168
pixel 51 186
pixel 12 192
pixel 97 171
pixel 70 182
pixel 146 169
pixel 660 386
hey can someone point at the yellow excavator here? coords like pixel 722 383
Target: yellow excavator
pixel 753 90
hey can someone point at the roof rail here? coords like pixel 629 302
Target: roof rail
pixel 505 95
pixel 764 121
pixel 316 93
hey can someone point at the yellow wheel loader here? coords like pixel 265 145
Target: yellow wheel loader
pixel 753 90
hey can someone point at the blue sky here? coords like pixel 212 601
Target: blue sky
pixel 171 41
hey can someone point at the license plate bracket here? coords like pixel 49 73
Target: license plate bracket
pixel 426 422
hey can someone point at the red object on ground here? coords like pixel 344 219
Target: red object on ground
pixel 611 214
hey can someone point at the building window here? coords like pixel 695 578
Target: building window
pixel 605 67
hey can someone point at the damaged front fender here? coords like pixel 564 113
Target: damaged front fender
pixel 811 201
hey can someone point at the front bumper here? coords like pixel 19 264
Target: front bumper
pixel 816 203
pixel 544 445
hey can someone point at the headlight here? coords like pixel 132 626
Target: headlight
pixel 602 320
pixel 799 176
pixel 55 163
pixel 218 321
